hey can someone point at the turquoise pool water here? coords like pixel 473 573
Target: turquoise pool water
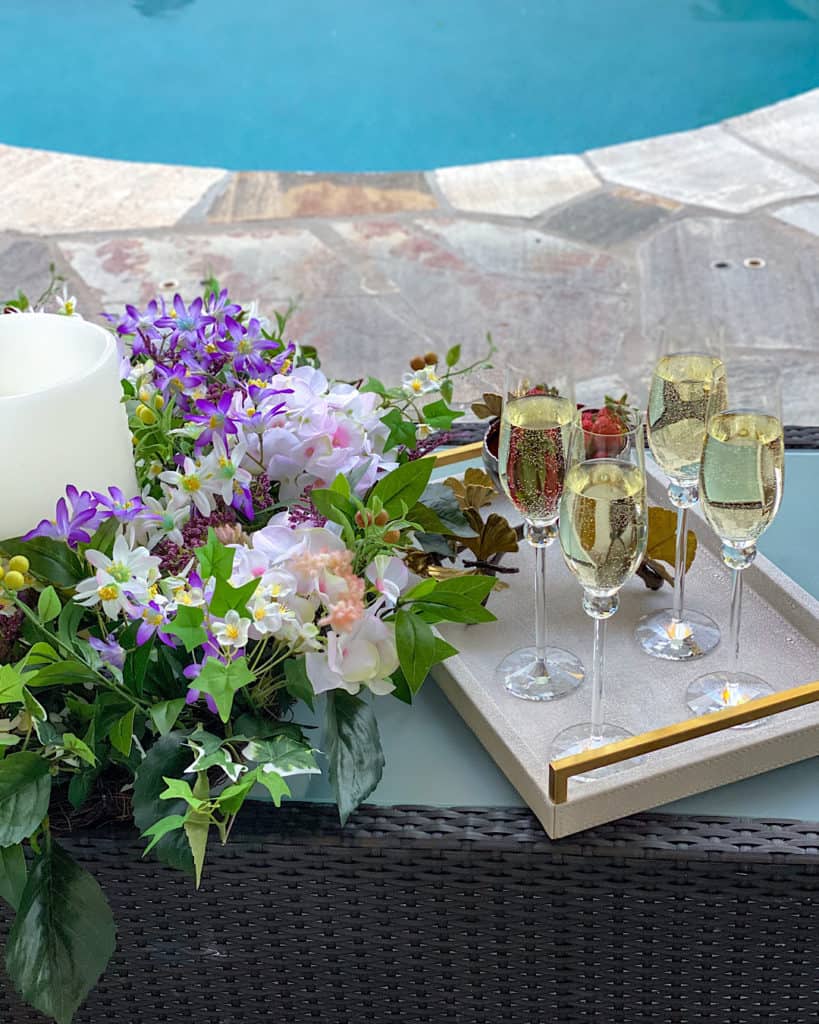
pixel 387 84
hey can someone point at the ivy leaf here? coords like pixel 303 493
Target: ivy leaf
pixel 222 682
pixel 439 415
pixel 215 558
pixel 402 432
pixel 122 733
pixel 25 789
pixel 227 598
pixel 179 789
pixel 62 938
pixel 232 797
pixel 187 625
pixel 353 750
pixel 274 784
pixel 48 605
pixel 165 714
pixel 282 755
pixel 209 753
pixel 13 874
pixel 298 682
pixel 161 828
pixel 662 538
pixel 168 757
pixel 415 642
pixel 403 486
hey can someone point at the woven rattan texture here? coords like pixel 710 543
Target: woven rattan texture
pixel 473 917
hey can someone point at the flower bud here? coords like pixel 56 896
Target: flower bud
pixel 431 358
pixel 159 402
pixel 417 363
pixel 364 518
pixel 2 572
pixel 15 580
pixel 382 518
pixel 145 415
pixel 19 563
pixel 392 536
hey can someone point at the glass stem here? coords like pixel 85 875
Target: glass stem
pixel 540 607
pixel 679 569
pixel 736 617
pixel 598 668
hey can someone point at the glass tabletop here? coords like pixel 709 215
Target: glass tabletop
pixel 433 758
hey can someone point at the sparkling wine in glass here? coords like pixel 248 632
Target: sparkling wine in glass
pixel 538 410
pixel 741 483
pixel 603 533
pixel 685 385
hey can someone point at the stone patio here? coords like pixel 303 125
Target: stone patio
pixel 583 253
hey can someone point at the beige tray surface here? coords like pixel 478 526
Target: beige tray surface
pixel 780 642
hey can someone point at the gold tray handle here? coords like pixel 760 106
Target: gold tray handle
pixel 669 735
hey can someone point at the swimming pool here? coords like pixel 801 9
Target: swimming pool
pixel 387 84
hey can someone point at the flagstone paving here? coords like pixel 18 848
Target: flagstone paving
pixel 583 257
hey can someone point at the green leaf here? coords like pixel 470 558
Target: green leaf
pixel 232 797
pixel 420 590
pixel 438 498
pixel 33 706
pixel 11 685
pixel 25 789
pixel 298 682
pixel 402 432
pixel 81 786
pixel 40 654
pixel 48 605
pixel 443 650
pixel 169 756
pixel 103 539
pixel 74 745
pixel 473 588
pixel 62 938
pixel 282 755
pixel 12 874
pixel 69 621
pixel 222 682
pixel 179 789
pixel 402 688
pixel 439 415
pixel 447 607
pixel 162 828
pixel 215 558
pixel 227 598
pixel 274 784
pixel 403 486
pixel 136 666
pixel 122 733
pixel 187 625
pixel 341 485
pixel 415 643
pixel 50 560
pixel 165 714
pixel 8 740
pixel 197 827
pixel 453 355
pixel 210 753
pixel 353 750
pixel 62 673
pixel 374 385
pixel 333 506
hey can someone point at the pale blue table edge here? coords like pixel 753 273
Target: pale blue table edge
pixel 433 758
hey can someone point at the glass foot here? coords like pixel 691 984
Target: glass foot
pixel 661 637
pixel 524 676
pixel 719 690
pixel 577 738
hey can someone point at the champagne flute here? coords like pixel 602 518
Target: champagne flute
pixel 538 410
pixel 741 483
pixel 685 385
pixel 603 533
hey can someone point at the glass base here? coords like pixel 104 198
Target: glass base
pixel 713 692
pixel 577 738
pixel 523 675
pixel 661 637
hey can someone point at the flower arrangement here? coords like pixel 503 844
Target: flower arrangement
pixel 158 642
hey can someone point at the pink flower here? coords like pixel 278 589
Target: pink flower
pixel 365 656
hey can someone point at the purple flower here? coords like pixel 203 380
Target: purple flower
pixel 153 618
pixel 283 363
pixel 249 350
pixel 193 696
pixel 187 323
pixel 143 324
pixel 109 650
pixel 219 308
pixel 75 521
pixel 117 505
pixel 215 418
pixel 176 380
pixel 242 500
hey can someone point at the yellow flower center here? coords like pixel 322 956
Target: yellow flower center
pixel 109 592
pixel 232 632
pixel 259 613
pixel 416 385
pixel 191 483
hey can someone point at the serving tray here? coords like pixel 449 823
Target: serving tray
pixel 780 643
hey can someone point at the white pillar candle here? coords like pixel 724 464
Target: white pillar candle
pixel 61 419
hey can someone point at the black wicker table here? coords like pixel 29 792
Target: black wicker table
pixel 471 914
